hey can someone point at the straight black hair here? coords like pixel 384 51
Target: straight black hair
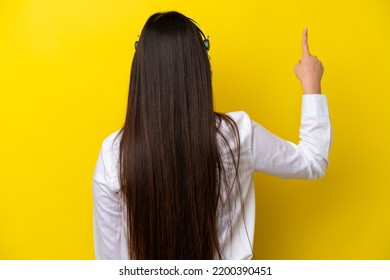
pixel 171 170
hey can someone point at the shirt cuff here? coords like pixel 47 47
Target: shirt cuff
pixel 315 105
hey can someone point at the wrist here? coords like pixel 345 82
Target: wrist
pixel 312 89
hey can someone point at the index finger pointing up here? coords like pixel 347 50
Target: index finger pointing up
pixel 305 43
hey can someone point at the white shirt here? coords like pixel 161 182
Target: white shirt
pixel 260 151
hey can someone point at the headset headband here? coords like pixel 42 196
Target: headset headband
pixel 206 41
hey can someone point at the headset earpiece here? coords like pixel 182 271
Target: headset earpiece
pixel 136 43
pixel 206 43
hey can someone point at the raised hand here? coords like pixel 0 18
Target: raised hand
pixel 309 69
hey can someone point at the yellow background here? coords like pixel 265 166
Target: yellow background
pixel 64 70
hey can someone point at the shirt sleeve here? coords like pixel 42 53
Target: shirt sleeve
pixel 106 212
pixel 306 160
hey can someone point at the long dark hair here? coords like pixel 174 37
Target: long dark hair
pixel 171 168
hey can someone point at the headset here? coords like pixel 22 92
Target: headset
pixel 206 41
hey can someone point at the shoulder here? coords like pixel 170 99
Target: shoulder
pixel 109 156
pixel 112 142
pixel 241 118
pixel 243 122
pixel 244 126
pixel 110 149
